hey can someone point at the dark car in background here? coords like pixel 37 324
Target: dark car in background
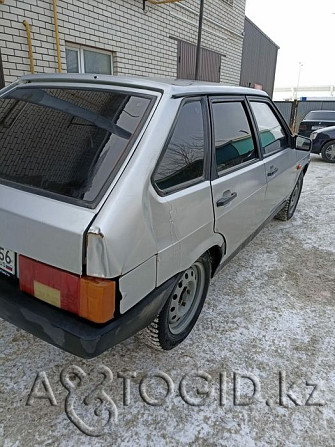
pixel 316 119
pixel 323 142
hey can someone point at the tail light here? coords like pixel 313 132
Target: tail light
pixel 90 298
pixel 302 127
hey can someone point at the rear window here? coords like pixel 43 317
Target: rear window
pixel 320 115
pixel 67 142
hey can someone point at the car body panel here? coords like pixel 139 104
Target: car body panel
pixel 183 224
pixel 303 160
pixel 241 217
pixel 47 230
pixel 281 183
pixel 132 286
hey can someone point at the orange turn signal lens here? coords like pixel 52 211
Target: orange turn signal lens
pixel 88 297
pixel 97 299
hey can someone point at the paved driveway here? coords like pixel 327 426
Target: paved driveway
pixel 259 368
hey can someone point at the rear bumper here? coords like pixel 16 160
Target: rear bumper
pixel 71 333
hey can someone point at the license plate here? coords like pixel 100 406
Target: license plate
pixel 317 127
pixel 7 261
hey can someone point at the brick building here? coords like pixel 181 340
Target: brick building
pixel 120 37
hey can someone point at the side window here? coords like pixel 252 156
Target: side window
pixel 272 135
pixel 232 135
pixel 183 159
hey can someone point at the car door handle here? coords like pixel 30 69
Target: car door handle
pixel 227 197
pixel 273 171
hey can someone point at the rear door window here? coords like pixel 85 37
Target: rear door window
pixel 67 142
pixel 182 162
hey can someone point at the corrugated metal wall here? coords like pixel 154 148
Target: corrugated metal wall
pixel 210 63
pixel 259 58
pixel 285 108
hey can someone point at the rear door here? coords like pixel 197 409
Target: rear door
pixel 279 157
pixel 182 212
pixel 239 181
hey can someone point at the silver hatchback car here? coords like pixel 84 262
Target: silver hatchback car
pixel 121 197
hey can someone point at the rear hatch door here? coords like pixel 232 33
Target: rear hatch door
pixel 41 228
pixel 61 149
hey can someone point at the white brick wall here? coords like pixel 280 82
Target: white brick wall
pixel 140 41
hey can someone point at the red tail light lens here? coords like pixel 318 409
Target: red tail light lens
pixel 90 298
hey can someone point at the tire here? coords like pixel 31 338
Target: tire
pixel 328 152
pixel 182 309
pixel 291 203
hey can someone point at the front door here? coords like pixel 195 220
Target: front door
pixel 279 157
pixel 240 184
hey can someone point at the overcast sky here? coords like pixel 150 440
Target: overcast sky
pixel 305 32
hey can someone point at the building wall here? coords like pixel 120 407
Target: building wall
pixel 141 42
pixel 259 58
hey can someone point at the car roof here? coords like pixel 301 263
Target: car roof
pixel 322 111
pixel 325 115
pixel 175 87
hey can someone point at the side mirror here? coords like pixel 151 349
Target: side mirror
pixel 303 143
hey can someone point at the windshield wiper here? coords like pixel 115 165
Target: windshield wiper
pixel 40 97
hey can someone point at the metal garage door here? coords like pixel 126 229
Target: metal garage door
pixel 210 63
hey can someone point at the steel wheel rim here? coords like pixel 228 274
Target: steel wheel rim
pixel 295 196
pixel 330 152
pixel 186 298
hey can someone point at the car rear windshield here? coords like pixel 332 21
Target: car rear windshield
pixel 320 115
pixel 67 142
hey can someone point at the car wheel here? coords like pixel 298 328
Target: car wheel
pixel 291 203
pixel 182 308
pixel 328 152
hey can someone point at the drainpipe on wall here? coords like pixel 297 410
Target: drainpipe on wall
pixel 2 76
pixel 198 54
pixel 59 60
pixel 30 47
